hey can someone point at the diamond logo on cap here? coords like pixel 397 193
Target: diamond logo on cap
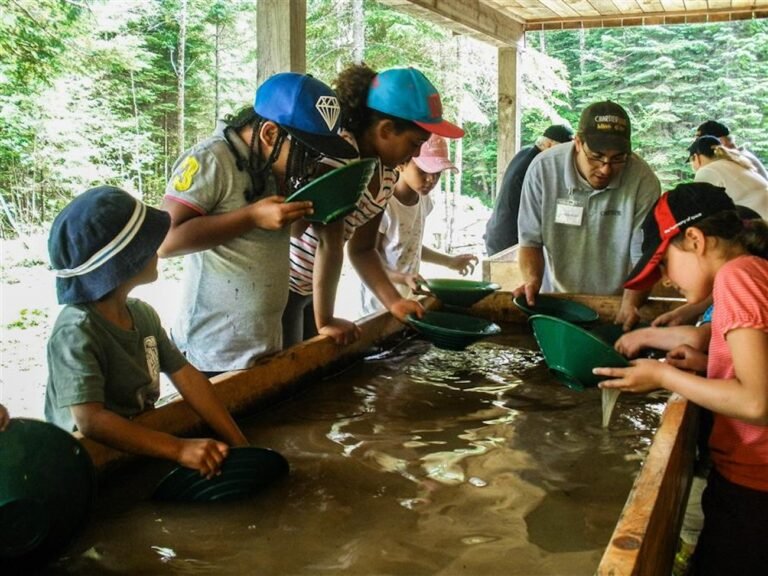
pixel 329 109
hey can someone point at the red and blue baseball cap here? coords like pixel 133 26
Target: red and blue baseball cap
pixel 307 109
pixel 407 94
pixel 674 212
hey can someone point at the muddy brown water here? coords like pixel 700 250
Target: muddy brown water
pixel 413 461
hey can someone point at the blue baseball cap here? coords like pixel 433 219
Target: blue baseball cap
pixel 407 94
pixel 307 109
pixel 99 240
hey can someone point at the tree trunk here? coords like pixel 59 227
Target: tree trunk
pixel 180 74
pixel 358 31
pixel 137 141
pixel 166 149
pixel 216 70
pixel 455 191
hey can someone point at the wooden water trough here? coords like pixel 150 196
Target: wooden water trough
pixel 645 537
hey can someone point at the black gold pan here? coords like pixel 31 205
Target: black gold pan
pixel 47 488
pixel 245 471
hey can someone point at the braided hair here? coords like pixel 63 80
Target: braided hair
pixel 302 160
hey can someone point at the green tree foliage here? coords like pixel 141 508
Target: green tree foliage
pixel 35 43
pixel 88 95
pixel 88 91
pixel 671 79
pixel 392 39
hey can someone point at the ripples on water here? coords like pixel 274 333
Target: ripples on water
pixel 414 461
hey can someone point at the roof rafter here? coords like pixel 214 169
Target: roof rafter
pixel 502 22
pixel 472 17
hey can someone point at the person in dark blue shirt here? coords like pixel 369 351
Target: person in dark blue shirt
pixel 501 230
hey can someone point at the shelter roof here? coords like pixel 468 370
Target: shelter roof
pixel 502 22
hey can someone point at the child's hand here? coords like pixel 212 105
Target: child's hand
pixel 627 315
pixel 463 263
pixel 342 331
pixel 688 358
pixel 404 306
pixel 202 454
pixel 273 213
pixel 671 318
pixel 415 282
pixel 642 376
pixel 631 343
pixel 680 316
pixel 4 418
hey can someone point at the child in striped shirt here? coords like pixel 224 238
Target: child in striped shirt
pixel 388 116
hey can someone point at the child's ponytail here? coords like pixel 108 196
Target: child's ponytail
pixel 750 233
pixel 351 87
pixel 754 237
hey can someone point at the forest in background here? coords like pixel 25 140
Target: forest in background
pixel 110 91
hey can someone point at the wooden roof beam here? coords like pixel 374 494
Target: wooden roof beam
pixel 468 17
pixel 650 19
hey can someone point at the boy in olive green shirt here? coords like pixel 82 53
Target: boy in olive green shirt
pixel 106 351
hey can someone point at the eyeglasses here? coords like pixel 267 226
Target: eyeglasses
pixel 600 161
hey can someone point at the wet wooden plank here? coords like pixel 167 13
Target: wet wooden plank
pixel 500 307
pixel 244 390
pixel 644 541
pixel 504 269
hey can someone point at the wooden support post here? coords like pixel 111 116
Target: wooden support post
pixel 281 37
pixel 509 78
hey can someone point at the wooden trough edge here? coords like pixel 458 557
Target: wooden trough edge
pixel 242 391
pixel 500 307
pixel 645 538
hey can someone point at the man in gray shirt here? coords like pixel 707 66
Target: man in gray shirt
pixel 582 211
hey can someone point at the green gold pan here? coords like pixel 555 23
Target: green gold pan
pixel 336 193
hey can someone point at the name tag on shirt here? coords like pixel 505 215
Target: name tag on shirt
pixel 570 214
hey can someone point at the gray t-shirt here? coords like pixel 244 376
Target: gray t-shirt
pixel 233 295
pixel 90 359
pixel 591 238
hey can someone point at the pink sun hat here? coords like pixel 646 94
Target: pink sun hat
pixel 433 156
